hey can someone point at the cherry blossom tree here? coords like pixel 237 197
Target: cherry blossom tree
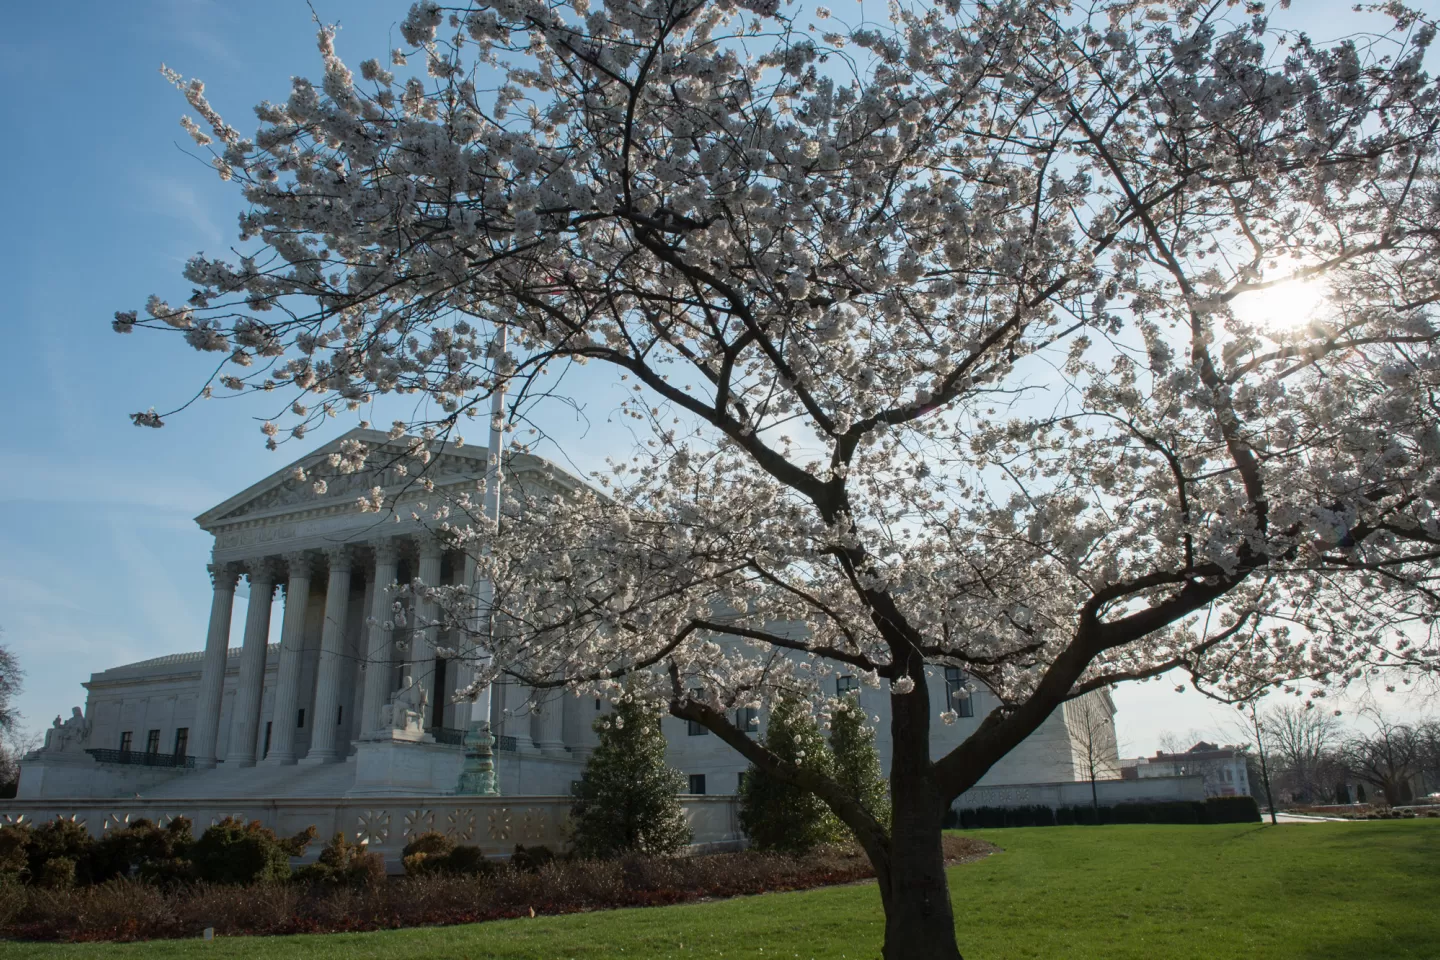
pixel 938 340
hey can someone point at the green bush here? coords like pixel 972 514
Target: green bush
pixel 1232 810
pixel 627 799
pixel 531 859
pixel 343 863
pixel 57 873
pixel 857 765
pixel 14 842
pixel 1213 810
pixel 60 839
pixel 236 852
pixel 143 849
pixel 780 816
pixel 426 853
pixel 471 861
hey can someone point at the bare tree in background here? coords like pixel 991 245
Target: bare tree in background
pixel 1302 742
pixel 1388 759
pixel 1252 730
pixel 1091 722
pixel 13 743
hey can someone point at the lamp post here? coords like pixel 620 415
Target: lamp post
pixel 477 777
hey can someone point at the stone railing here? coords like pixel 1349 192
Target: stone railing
pixel 455 737
pixel 384 824
pixel 140 758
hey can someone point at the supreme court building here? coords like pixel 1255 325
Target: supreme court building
pixel 344 713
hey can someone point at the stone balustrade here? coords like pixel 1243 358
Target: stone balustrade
pixel 383 824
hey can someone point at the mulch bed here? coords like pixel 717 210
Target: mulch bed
pixel 132 910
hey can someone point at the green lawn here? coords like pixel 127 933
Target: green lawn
pixel 1324 891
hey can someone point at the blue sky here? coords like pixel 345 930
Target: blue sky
pixel 100 560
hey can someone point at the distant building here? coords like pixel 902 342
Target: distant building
pixel 1223 768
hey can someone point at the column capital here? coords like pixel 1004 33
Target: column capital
pixel 387 550
pixel 223 576
pixel 262 570
pixel 341 558
pixel 300 564
pixel 430 548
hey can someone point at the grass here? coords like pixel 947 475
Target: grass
pixel 1299 892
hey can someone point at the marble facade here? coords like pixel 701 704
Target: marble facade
pixel 340 709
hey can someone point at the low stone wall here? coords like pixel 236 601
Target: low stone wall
pixel 384 824
pixel 1111 792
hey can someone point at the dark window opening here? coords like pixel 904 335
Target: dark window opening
pixel 748 720
pixel 300 720
pixel 182 741
pixel 437 703
pixel 125 740
pixel 697 783
pixel 845 684
pixel 957 694
pixel 265 751
pixel 152 742
pixel 339 714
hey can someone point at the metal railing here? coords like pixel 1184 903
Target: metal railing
pixel 455 737
pixel 140 758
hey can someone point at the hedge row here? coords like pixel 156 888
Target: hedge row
pixel 1212 810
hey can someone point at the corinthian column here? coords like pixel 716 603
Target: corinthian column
pixel 422 636
pixel 292 649
pixel 245 720
pixel 212 668
pixel 382 634
pixel 323 742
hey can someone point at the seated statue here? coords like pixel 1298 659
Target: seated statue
pixel 405 711
pixel 69 735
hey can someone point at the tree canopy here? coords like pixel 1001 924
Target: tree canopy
pixel 937 335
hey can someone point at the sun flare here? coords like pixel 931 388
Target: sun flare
pixel 1284 306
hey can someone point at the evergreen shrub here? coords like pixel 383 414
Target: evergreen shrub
pixel 627 800
pixel 857 765
pixel 236 852
pixel 780 816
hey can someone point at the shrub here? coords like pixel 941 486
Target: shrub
pixel 236 852
pixel 60 839
pixel 57 873
pixel 627 798
pixel 472 861
pixel 1232 810
pixel 142 848
pixel 14 843
pixel 345 864
pixel 780 816
pixel 426 853
pixel 531 859
pixel 857 765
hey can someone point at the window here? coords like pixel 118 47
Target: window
pixel 597 704
pixel 692 728
pixel 748 720
pixel 339 714
pixel 265 750
pixel 182 741
pixel 300 720
pixel 844 685
pixel 125 738
pixel 697 783
pixel 152 742
pixel 956 693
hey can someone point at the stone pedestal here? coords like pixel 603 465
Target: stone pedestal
pixel 477 777
pixel 397 767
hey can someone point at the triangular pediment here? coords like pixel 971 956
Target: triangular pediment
pixel 285 492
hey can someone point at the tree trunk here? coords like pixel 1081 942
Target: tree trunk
pixel 919 924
